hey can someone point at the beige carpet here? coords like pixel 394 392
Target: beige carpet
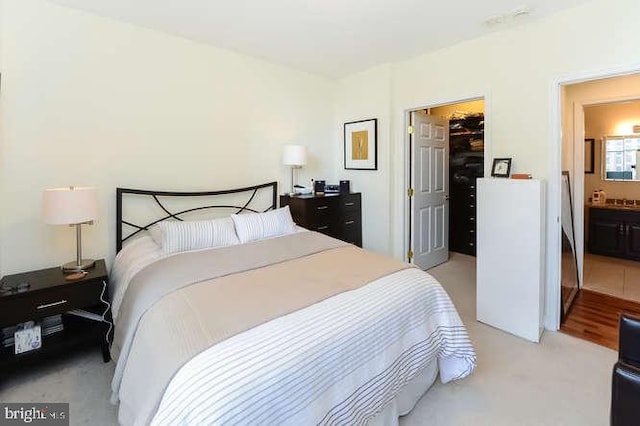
pixel 561 381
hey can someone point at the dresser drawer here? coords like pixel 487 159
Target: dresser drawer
pixel 338 216
pixel 324 225
pixel 351 231
pixel 463 206
pixel 44 303
pixel 350 203
pixel 323 206
pixel 321 213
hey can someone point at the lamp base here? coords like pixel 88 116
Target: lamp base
pixel 76 266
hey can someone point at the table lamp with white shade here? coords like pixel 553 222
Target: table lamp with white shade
pixel 294 156
pixel 73 206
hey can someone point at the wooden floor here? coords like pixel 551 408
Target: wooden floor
pixel 594 317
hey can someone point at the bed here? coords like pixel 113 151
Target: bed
pixel 246 318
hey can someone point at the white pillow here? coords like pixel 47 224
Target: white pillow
pixel 256 226
pixel 194 235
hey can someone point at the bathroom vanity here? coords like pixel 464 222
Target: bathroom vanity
pixel 614 230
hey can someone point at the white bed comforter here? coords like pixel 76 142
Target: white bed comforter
pixel 338 361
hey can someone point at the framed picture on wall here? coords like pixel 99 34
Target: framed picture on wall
pixel 361 145
pixel 588 155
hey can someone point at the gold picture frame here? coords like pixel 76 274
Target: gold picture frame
pixel 361 145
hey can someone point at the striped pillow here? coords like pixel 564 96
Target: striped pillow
pixel 180 236
pixel 256 226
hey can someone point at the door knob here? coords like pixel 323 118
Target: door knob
pixel 446 198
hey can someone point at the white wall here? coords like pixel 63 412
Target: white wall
pixel 515 70
pixel 2 201
pixel 91 101
pixel 358 97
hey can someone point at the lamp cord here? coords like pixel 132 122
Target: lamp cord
pixel 104 314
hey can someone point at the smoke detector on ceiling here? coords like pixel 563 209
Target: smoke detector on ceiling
pixel 519 13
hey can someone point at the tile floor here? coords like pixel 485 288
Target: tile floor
pixel 612 276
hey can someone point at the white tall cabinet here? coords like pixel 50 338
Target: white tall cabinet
pixel 510 255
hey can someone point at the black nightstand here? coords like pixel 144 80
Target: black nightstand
pixel 50 294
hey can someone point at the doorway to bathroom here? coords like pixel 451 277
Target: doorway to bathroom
pixel 601 150
pixel 612 194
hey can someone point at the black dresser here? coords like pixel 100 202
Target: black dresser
pixel 466 164
pixel 337 215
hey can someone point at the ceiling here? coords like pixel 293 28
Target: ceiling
pixel 329 37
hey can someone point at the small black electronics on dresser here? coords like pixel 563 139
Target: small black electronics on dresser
pixel 337 215
pixel 345 187
pixel 318 186
pixel 331 189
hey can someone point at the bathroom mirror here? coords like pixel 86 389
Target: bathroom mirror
pixel 569 262
pixel 620 155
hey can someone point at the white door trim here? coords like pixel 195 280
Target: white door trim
pixel 552 305
pixel 404 226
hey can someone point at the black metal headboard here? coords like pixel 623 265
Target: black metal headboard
pixel 167 213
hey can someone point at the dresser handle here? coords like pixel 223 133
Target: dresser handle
pixel 349 222
pixel 50 305
pixel 322 228
pixel 322 207
pixel 349 204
